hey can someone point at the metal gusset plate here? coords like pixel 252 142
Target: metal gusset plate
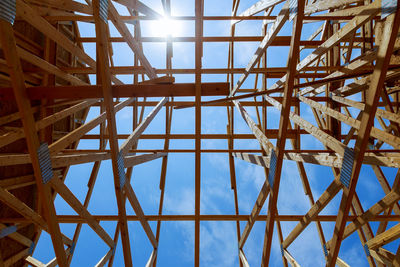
pixel 121 170
pixel 45 162
pixel 272 168
pixel 347 167
pixel 104 10
pixel 388 7
pixel 8 10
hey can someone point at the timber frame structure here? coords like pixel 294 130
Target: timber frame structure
pixel 351 63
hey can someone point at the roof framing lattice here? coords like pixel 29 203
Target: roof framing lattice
pixel 334 101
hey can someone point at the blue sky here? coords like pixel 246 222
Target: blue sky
pixel 218 239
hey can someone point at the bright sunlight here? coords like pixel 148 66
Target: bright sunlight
pixel 166 27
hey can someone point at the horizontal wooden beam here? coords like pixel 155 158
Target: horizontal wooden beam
pixel 324 159
pixel 128 90
pixel 215 217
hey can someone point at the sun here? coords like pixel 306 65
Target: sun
pixel 165 27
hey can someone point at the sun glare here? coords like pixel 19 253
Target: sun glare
pixel 166 27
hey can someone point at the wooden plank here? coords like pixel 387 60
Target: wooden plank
pixel 264 141
pixel 131 161
pixel 207 217
pixel 128 90
pixel 104 78
pixel 383 256
pixel 243 258
pixel 326 5
pixel 325 159
pixel 48 67
pixel 67 5
pixel 385 237
pixel 31 16
pixel 134 136
pixel 365 59
pixel 262 196
pixel 17 182
pixel 152 258
pixel 104 260
pixel 139 212
pixel 15 116
pixel 91 184
pixel 294 56
pixel 199 13
pixel 34 262
pixel 290 259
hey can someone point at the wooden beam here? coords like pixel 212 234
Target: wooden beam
pixel 17 182
pixel 290 258
pixel 294 55
pixel 16 257
pixel 264 141
pixel 384 238
pixel 326 5
pixel 104 260
pixel 210 217
pixel 34 262
pixel 383 256
pixel 325 159
pixel 104 76
pixel 199 24
pixel 141 128
pixel 139 212
pixel 243 258
pixel 128 90
pixel 131 161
